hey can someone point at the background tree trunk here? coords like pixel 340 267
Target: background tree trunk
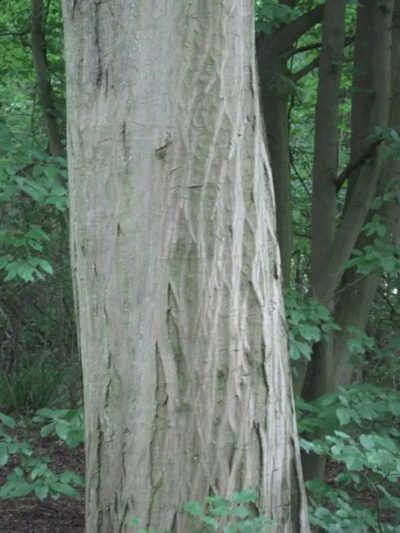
pixel 186 376
pixel 328 261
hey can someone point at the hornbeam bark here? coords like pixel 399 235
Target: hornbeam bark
pixel 182 331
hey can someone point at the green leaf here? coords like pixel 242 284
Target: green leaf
pixel 240 512
pixel 343 416
pixel 367 441
pixel 64 488
pixel 3 454
pixel 212 522
pixel 194 508
pixel 15 489
pixel 62 430
pixel 42 491
pixel 7 420
pixel 47 430
pixel 394 407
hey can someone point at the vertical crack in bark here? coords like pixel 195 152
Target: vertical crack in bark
pixel 97 31
pixel 97 471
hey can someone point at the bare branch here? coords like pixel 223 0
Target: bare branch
pixel 367 154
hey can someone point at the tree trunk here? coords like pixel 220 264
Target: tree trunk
pixel 275 101
pixel 357 294
pixel 329 261
pixel 272 54
pixel 186 376
pixel 319 372
pixel 42 74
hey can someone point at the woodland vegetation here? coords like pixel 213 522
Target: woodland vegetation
pixel 329 75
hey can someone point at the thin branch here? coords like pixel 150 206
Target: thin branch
pixel 350 285
pixel 305 48
pixel 367 154
pixel 393 310
pixel 314 46
pixel 298 174
pixel 296 76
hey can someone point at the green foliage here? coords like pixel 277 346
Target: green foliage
pixel 67 424
pixel 308 321
pixel 33 385
pixel 32 474
pixel 223 515
pixel 359 342
pixel 270 14
pixel 363 406
pixel 361 428
pixel 335 511
pixel 30 182
pixel 380 255
pixel 235 515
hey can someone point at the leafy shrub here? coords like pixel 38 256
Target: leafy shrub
pixel 233 515
pixel 32 474
pixel 217 514
pixel 361 428
pixel 308 321
pixel 67 424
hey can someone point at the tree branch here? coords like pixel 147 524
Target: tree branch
pixel 315 62
pixel 306 48
pixel 285 37
pixel 368 153
pixel 296 76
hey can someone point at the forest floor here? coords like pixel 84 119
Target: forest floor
pixel 67 515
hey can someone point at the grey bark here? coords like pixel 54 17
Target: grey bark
pixel 186 376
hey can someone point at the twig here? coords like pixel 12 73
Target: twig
pixel 361 159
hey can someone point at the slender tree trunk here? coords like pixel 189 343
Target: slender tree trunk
pixel 42 75
pixel 328 262
pixel 272 54
pixel 356 297
pixel 275 101
pixel 319 372
pixel 323 216
pixel 186 376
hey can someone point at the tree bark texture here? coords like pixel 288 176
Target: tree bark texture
pixel 186 376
